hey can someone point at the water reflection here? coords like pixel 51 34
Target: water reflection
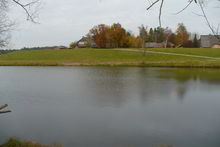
pixel 186 77
pixel 111 106
pixel 116 86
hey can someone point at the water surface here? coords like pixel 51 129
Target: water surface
pixel 111 106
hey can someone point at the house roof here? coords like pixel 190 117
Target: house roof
pixel 209 40
pixel 82 42
pixel 83 39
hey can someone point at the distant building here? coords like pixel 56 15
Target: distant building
pixel 153 45
pixel 216 46
pixel 210 41
pixel 169 45
pixel 82 43
pixel 61 47
pixel 85 42
pixel 158 45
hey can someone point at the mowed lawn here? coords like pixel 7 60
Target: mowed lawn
pixel 111 57
pixel 210 52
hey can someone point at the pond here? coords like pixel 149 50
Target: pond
pixel 111 106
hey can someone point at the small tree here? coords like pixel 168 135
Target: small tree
pixel 151 35
pixel 173 39
pixel 195 41
pixel 73 44
pixel 159 34
pixel 167 35
pixel 182 35
pixel 143 34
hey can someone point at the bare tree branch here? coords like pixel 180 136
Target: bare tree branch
pixel 217 30
pixel 6 25
pixel 200 3
pixel 208 22
pixel 160 13
pixel 198 14
pixel 153 4
pixel 26 8
pixel 185 7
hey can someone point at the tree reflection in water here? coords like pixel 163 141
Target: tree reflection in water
pixel 116 86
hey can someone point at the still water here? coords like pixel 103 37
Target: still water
pixel 111 106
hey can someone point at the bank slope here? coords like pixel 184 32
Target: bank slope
pixel 107 57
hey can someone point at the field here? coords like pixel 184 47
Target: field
pixel 113 57
pixel 210 52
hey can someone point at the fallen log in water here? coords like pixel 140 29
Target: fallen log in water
pixel 3 107
pixel 1 112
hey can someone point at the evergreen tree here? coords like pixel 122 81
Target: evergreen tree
pixel 195 41
pixel 151 35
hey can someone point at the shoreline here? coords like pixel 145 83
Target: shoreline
pixel 112 64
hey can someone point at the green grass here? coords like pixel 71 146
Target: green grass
pixel 109 57
pixel 210 52
pixel 14 142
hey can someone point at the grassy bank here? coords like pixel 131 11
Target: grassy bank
pixel 210 52
pixel 110 57
pixel 14 142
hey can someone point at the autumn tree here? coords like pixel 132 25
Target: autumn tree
pixel 181 35
pixel 114 36
pixel 134 42
pixel 117 36
pixel 99 35
pixel 173 39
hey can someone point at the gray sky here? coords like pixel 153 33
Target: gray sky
pixel 62 22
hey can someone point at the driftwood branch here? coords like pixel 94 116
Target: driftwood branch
pixel 3 107
pixel 2 112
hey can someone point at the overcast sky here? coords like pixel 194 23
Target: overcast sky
pixel 64 21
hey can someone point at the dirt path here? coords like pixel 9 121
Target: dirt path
pixel 175 54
